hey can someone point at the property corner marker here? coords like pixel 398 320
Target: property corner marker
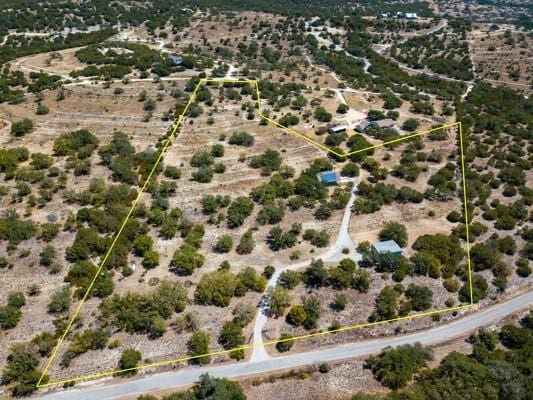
pixel 173 132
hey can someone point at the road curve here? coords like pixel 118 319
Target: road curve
pixel 186 377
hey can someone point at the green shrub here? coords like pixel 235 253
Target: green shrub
pixel 394 367
pixel 241 139
pixel 285 344
pixel 22 127
pixel 231 337
pixel 216 288
pixel 129 359
pixel 198 345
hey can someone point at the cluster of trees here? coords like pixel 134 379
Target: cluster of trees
pixel 395 367
pixel 14 229
pixel 399 25
pixel 129 167
pixel 394 231
pixel 495 366
pixel 10 314
pixel 279 239
pixel 82 342
pixel 116 200
pixel 107 72
pixel 490 255
pixel 81 144
pixel 81 275
pixel 41 81
pixel 442 55
pixel 219 287
pixel 343 276
pixel 22 127
pixel 11 158
pixel 206 388
pixel 241 138
pixel 384 134
pixel 143 246
pixel 436 256
pixel 304 190
pixel 187 258
pixel 445 248
pixel 82 15
pixel 408 168
pixel 10 84
pixel 268 162
pixel 238 210
pixel 497 129
pixel 373 197
pixel 389 303
pixel 20 45
pixel 138 56
pixel 144 313
pixel 231 336
pixel 21 372
pixel 276 92
pixel 60 300
pixel 318 238
pixel 306 314
pixel 383 72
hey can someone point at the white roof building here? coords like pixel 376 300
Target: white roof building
pixel 388 246
pixel 338 128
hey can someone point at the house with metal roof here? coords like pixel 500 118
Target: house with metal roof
pixel 384 123
pixel 387 246
pixel 329 177
pixel 362 126
pixel 337 128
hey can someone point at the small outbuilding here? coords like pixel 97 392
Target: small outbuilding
pixel 337 129
pixel 329 177
pixel 386 247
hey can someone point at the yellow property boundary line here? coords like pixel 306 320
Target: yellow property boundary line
pixel 167 143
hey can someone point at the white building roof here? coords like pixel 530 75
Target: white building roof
pixel 338 128
pixel 388 246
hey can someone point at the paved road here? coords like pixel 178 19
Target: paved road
pixel 185 377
